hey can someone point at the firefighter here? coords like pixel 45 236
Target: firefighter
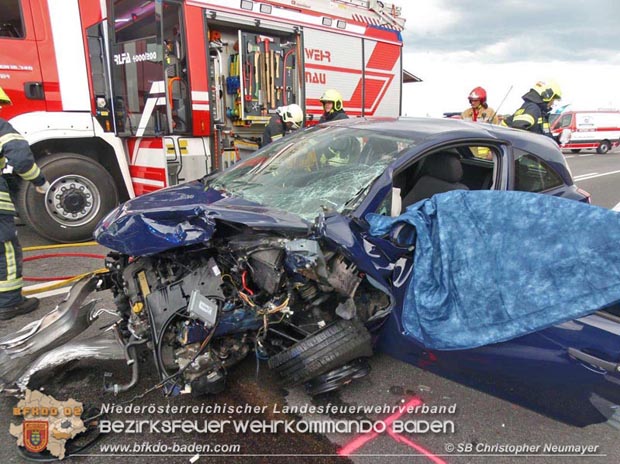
pixel 15 150
pixel 287 119
pixel 533 115
pixel 342 151
pixel 479 110
pixel 332 106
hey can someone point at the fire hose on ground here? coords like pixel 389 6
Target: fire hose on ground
pixel 59 281
pixel 92 433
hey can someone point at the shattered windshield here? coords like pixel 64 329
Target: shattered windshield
pixel 315 170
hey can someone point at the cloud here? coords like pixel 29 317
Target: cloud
pixel 428 16
pixel 510 30
pixel 585 85
pixel 506 46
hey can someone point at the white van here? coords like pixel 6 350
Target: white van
pixel 578 130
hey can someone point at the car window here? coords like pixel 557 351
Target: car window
pixel 327 168
pixel 460 167
pixel 11 24
pixel 566 119
pixel 532 174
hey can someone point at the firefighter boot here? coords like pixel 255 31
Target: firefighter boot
pixel 26 306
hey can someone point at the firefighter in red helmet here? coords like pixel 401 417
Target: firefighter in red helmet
pixel 479 111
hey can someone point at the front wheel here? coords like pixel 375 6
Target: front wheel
pixel 603 147
pixel 81 193
pixel 327 350
pixel 575 150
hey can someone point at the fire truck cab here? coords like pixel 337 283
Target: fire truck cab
pixel 123 97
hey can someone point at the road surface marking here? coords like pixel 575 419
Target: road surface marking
pixel 359 441
pixel 584 175
pixel 593 175
pixel 58 291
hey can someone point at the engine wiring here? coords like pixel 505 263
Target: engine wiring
pixel 170 377
pixel 204 343
pixel 244 275
pixel 247 299
pixel 260 303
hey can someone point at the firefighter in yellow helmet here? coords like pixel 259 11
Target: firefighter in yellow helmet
pixel 533 115
pixel 15 150
pixel 332 106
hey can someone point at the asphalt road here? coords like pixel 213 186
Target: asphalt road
pixel 478 418
pixel 597 174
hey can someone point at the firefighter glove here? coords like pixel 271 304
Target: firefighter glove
pixel 43 188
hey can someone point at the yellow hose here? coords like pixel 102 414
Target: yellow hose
pixel 61 283
pixel 62 245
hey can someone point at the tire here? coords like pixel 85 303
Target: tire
pixel 323 351
pixel 81 193
pixel 603 147
pixel 575 150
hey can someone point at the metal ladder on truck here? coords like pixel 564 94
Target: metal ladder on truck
pixel 381 13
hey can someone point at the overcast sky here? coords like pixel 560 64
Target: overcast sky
pixel 456 45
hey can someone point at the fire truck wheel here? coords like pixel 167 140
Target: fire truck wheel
pixel 81 193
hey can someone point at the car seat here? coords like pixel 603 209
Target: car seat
pixel 375 148
pixel 441 172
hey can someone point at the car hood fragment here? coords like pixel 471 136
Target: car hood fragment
pixel 491 266
pixel 181 216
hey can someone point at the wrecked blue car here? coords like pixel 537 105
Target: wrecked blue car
pixel 427 239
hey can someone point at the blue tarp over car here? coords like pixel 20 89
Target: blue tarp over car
pixel 491 266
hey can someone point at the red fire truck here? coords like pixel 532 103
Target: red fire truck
pixel 123 97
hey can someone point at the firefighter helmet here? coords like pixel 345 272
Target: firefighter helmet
pixel 548 91
pixel 333 96
pixel 478 94
pixel 4 98
pixel 292 114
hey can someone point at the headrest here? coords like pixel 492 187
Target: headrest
pixel 445 166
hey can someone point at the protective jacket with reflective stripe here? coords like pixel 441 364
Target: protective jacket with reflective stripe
pixel 333 116
pixel 480 114
pixel 275 130
pixel 15 150
pixel 532 116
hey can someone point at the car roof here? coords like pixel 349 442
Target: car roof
pixel 436 131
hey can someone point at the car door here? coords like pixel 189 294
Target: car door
pixel 570 371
